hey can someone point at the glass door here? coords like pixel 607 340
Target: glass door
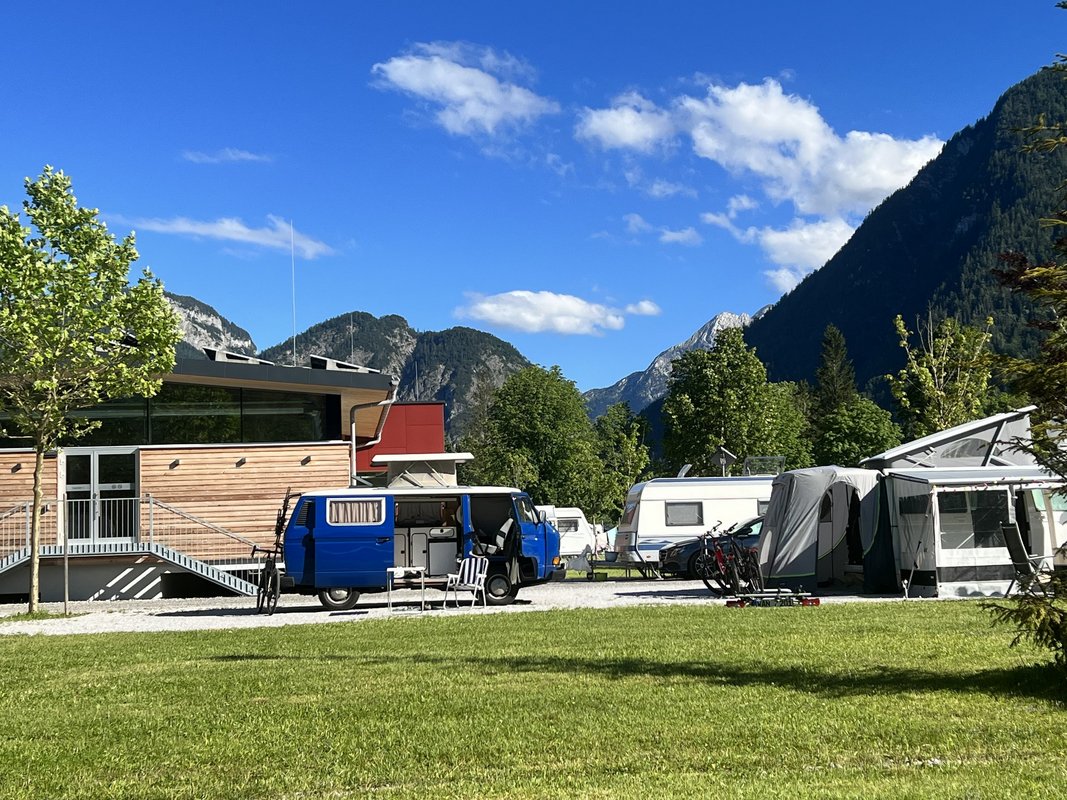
pixel 102 495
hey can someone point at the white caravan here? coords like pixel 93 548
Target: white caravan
pixel 576 534
pixel 665 511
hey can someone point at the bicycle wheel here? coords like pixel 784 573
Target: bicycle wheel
pixel 755 574
pixel 274 589
pixel 733 579
pixel 705 568
pixel 263 590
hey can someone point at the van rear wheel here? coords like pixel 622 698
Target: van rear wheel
pixel 338 599
pixel 499 590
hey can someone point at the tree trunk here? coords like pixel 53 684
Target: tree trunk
pixel 35 532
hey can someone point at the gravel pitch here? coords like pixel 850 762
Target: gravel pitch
pixel 239 612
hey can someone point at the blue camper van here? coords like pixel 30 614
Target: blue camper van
pixel 340 543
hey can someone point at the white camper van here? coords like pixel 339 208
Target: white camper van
pixel 576 534
pixel 665 511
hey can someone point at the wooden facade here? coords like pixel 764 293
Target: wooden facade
pixel 240 488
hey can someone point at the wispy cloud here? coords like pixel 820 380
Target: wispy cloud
pixel 635 223
pixel 661 189
pixel 471 86
pixel 686 236
pixel 550 312
pixel 275 235
pixel 228 155
pixel 644 308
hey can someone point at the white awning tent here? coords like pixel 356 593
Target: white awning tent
pixel 947 525
pixel 819 526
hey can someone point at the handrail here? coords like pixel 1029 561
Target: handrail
pixel 14 510
pixel 186 515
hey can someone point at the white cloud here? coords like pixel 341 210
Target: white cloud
pixel 807 245
pixel 276 235
pixel 550 312
pixel 739 203
pixel 632 123
pixel 686 236
pixel 460 79
pixel 784 140
pixel 644 308
pixel 227 155
pixel 785 279
pixel 660 189
pixel 635 223
pixel 799 249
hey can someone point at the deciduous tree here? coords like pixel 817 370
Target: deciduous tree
pixel 535 434
pixel 73 331
pixel 721 397
pixel 946 375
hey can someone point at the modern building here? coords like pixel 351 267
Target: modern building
pixel 169 494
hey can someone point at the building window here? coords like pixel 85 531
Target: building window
pixel 679 514
pixel 282 416
pixel 188 414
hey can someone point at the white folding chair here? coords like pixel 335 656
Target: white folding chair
pixel 470 578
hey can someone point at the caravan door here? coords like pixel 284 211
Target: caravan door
pixel 353 541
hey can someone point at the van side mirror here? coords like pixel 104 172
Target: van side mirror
pixel 542 516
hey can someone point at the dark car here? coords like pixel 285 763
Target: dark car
pixel 678 559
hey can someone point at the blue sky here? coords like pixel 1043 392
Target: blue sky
pixel 589 181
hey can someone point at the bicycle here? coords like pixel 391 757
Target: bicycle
pixel 726 565
pixel 270 577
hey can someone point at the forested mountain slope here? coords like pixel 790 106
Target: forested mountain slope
pixel 932 246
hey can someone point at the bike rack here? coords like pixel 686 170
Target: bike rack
pixel 779 597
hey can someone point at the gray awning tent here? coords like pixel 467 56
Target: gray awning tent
pixel 820 527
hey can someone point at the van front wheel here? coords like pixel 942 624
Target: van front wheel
pixel 499 590
pixel 339 599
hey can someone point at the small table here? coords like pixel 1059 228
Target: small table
pixel 393 573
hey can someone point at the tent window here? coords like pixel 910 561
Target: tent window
pixel 973 519
pixel 826 510
pixel 355 512
pixel 684 514
pixel 915 504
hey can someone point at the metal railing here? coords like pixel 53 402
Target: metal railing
pixel 106 524
pixel 15 525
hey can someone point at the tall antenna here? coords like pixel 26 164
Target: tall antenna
pixel 292 256
pixel 351 341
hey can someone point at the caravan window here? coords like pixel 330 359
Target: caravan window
pixel 628 512
pixel 355 512
pixel 568 525
pixel 684 514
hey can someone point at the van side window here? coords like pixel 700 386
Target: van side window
pixel 355 512
pixel 527 512
pixel 684 513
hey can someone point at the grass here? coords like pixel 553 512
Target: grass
pixel 858 700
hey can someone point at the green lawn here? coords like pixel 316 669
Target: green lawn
pixel 918 700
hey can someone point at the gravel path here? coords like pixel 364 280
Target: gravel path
pixel 239 612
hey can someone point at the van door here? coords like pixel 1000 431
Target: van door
pixel 353 542
pixel 539 542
